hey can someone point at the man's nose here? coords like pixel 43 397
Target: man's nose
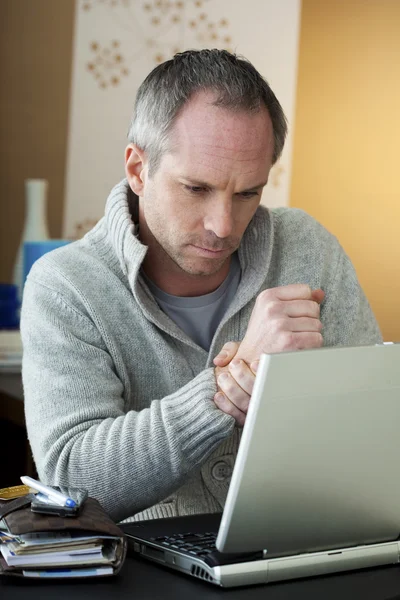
pixel 219 218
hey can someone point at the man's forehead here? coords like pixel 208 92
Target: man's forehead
pixel 200 122
pixel 210 139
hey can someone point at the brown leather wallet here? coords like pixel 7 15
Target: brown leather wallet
pixel 91 520
pixel 9 506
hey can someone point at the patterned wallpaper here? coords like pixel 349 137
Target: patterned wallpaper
pixel 117 42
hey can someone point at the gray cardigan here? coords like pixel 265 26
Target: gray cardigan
pixel 118 399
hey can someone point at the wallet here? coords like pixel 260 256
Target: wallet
pixel 92 520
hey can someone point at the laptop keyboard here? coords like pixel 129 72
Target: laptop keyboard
pixel 194 544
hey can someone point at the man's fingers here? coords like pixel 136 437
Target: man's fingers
pixel 254 366
pixel 224 404
pixel 243 376
pixel 226 354
pixel 294 291
pixel 283 319
pixel 307 340
pixel 232 390
pixel 305 324
pixel 318 295
pixel 302 308
pixel 235 387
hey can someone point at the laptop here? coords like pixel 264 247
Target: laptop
pixel 315 487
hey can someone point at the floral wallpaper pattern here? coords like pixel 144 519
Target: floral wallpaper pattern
pixel 117 43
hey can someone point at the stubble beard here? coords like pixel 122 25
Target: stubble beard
pixel 200 267
pixel 168 252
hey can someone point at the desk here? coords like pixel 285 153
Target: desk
pixel 140 580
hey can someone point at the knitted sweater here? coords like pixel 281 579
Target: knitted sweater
pixel 118 399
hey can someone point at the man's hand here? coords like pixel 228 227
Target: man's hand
pixel 284 318
pixel 235 382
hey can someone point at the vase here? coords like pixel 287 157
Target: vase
pixel 35 226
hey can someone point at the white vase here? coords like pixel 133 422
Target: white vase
pixel 35 227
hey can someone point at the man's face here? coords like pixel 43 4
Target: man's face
pixel 195 208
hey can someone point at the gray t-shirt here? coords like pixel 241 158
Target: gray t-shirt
pixel 199 316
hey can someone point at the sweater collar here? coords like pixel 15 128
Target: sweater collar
pixel 121 217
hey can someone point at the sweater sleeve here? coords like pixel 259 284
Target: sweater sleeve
pixel 309 253
pixel 347 317
pixel 79 432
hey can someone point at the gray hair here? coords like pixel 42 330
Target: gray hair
pixel 236 82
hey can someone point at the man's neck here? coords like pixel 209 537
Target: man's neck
pixel 173 280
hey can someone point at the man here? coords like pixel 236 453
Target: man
pixel 120 328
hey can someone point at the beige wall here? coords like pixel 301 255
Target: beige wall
pixel 347 131
pixel 35 73
pixel 345 160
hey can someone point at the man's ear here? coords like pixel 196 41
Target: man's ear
pixel 136 168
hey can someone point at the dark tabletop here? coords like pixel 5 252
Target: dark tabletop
pixel 140 580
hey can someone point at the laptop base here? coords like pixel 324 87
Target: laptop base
pixel 240 572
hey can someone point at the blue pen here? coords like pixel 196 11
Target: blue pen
pixel 43 498
pixel 54 495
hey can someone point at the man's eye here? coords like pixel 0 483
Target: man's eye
pixel 195 189
pixel 248 195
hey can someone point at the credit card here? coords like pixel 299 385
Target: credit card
pixel 16 491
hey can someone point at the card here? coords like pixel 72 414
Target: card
pixel 15 491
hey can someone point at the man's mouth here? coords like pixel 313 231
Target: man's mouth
pixel 211 251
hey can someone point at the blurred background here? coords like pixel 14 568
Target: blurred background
pixel 70 70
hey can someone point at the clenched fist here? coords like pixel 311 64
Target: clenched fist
pixel 284 318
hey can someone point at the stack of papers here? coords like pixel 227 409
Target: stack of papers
pixel 59 554
pixel 87 544
pixel 10 350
